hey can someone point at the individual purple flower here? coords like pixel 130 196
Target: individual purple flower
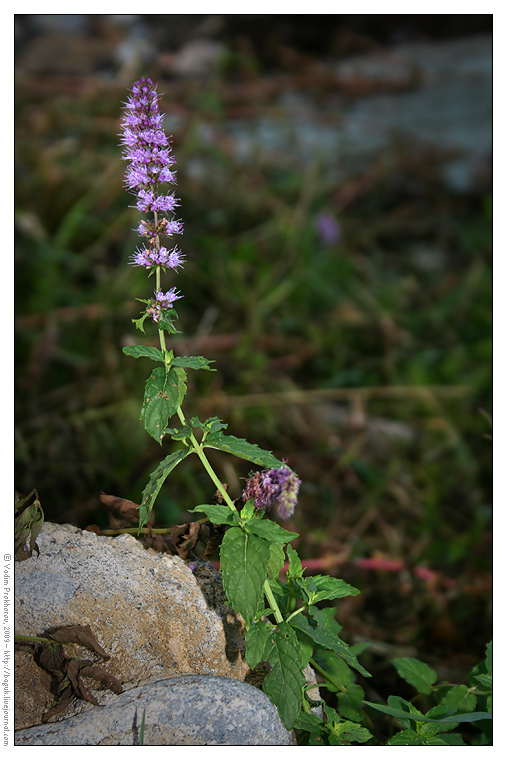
pixel 278 487
pixel 328 229
pixel 161 303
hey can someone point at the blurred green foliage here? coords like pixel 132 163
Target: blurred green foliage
pixel 365 362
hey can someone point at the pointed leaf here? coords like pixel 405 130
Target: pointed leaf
pixel 403 715
pixel 243 561
pixel 219 514
pixel 276 561
pixel 156 481
pixel 328 640
pixel 192 362
pixel 417 673
pixel 330 588
pixel 284 685
pixel 407 738
pixel 270 530
pixel 256 639
pixel 162 398
pixel 242 449
pixel 149 351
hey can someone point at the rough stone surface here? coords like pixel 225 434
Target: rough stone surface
pixel 192 710
pixel 147 610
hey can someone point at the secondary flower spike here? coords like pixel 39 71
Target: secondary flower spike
pixel 270 487
pixel 148 152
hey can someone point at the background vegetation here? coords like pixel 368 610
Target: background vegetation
pixel 350 320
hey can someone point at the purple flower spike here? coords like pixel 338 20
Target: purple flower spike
pixel 270 487
pixel 148 152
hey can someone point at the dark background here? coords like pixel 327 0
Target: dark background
pixel 335 185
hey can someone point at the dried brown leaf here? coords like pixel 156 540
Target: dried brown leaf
pixel 61 705
pixel 52 658
pixel 79 634
pixel 84 693
pixel 101 675
pixel 124 507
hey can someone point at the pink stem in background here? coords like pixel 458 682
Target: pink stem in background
pixel 379 565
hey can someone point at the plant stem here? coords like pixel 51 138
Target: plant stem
pixel 272 602
pixel 207 466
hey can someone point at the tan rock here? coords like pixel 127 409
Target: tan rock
pixel 147 610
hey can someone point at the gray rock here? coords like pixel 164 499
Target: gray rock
pixel 147 610
pixel 192 710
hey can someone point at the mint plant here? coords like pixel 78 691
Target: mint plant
pixel 286 628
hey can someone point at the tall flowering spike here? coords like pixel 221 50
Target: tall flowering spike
pixel 148 152
pixel 278 487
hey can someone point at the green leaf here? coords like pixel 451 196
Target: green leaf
pixel 295 569
pixel 248 510
pixel 328 640
pixel 330 588
pixel 284 685
pixel 309 722
pixel 326 618
pixel 243 561
pixel 485 679
pixel 449 740
pixel 407 738
pixel 276 561
pixel 440 711
pixel 410 716
pixel 336 668
pixel 162 398
pixel 139 323
pixel 156 481
pixel 460 698
pixel 416 673
pixel 148 351
pixel 219 514
pixel 256 638
pixel 242 449
pixel 28 520
pixel 192 362
pixel 270 530
pixel 346 731
pixel 351 703
pixel 212 424
pixel 179 434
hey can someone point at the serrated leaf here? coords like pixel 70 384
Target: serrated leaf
pixel 219 514
pixel 345 731
pixel 351 703
pixel 256 638
pixel 417 673
pixel 295 569
pixel 276 561
pixel 156 482
pixel 192 362
pixel 212 424
pixel 242 449
pixel 148 351
pixel 179 434
pixel 461 698
pixel 329 588
pixel 270 530
pixel 309 722
pixel 485 680
pixel 328 640
pixel 243 561
pixel 284 685
pixel 407 738
pixel 162 398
